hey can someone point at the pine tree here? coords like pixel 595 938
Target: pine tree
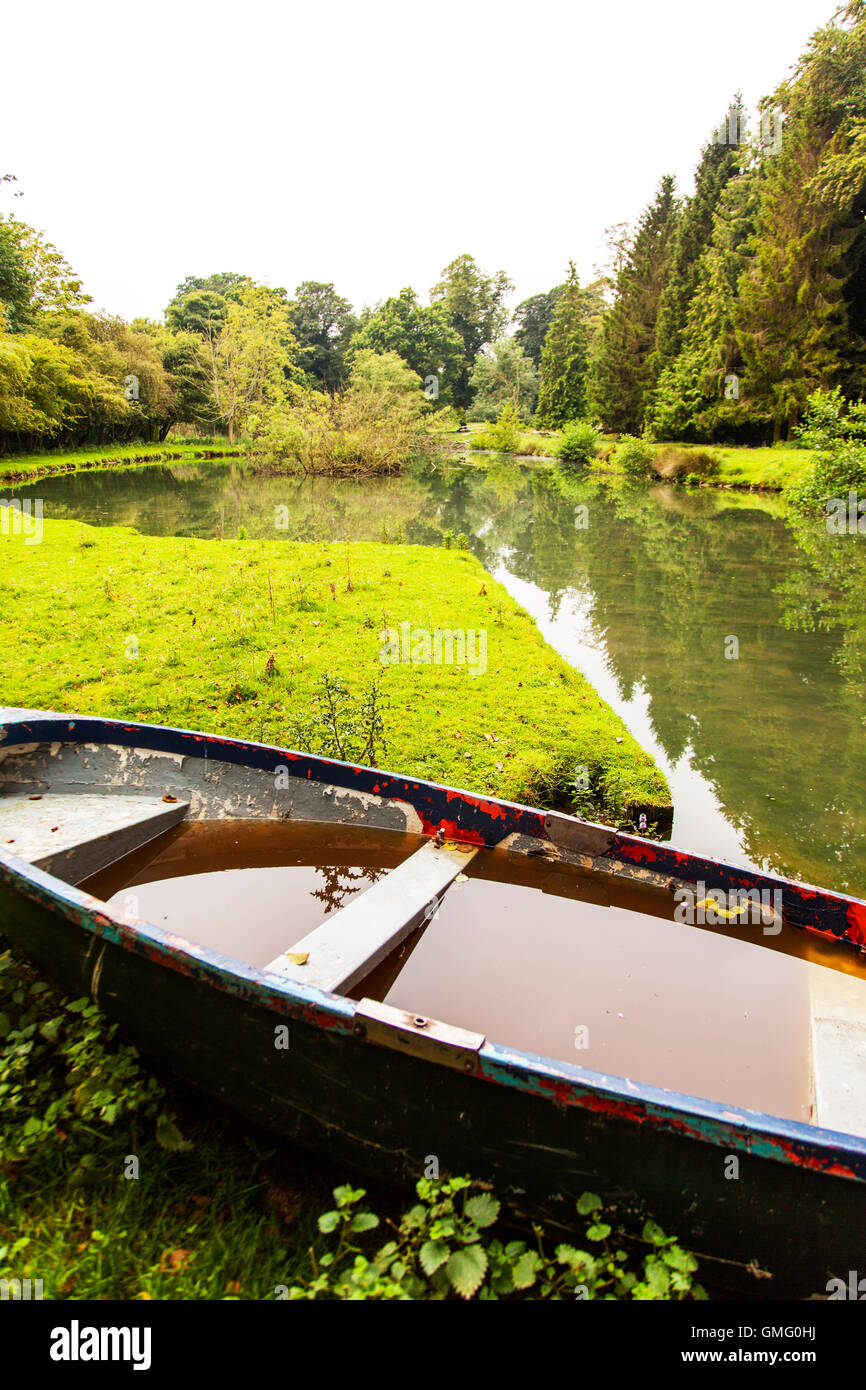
pixel 702 390
pixel 562 393
pixel 623 370
pixel 719 163
pixel 792 317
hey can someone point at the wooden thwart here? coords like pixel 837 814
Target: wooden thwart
pixel 73 836
pixel 353 940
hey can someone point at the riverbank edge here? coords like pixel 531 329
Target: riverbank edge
pixel 717 484
pixel 21 470
pixel 11 471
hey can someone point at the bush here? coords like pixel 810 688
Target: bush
pixel 633 456
pixel 503 436
pixel 579 442
pixel 837 428
pixel 374 427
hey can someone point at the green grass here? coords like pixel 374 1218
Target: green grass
pixel 201 612
pixel 742 466
pixel 28 467
pixel 763 467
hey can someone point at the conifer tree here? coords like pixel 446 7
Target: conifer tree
pixel 719 163
pixel 703 389
pixel 562 393
pixel 792 316
pixel 623 369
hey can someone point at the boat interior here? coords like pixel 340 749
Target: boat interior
pixel 523 944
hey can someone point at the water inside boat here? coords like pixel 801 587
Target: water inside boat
pixel 534 955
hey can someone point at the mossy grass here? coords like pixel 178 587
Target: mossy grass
pixel 27 468
pixel 232 636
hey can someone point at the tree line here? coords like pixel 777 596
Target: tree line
pixel 721 314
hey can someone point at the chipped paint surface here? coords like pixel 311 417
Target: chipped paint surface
pixel 469 819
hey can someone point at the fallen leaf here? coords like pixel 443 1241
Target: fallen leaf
pixel 297 957
pixel 173 1261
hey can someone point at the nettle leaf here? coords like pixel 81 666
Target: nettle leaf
pixel 525 1270
pixel 656 1277
pixel 598 1232
pixel 654 1233
pixel 679 1259
pixel 168 1136
pixel 587 1202
pixel 466 1270
pixel 364 1221
pixel 432 1254
pixel 483 1209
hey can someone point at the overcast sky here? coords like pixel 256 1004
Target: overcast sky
pixel 366 143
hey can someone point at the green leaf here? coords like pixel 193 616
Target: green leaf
pixel 526 1269
pixel 328 1220
pixel 483 1209
pixel 168 1136
pixel 598 1232
pixel 466 1270
pixel 680 1260
pixel 364 1221
pixel 587 1202
pixel 432 1254
pixel 50 1029
pixel 653 1233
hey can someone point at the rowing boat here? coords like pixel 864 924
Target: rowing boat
pixel 491 988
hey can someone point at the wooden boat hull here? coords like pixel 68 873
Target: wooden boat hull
pixel 542 1131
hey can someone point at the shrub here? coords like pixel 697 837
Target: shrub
pixel 579 442
pixel 633 456
pixel 503 436
pixel 374 427
pixel 837 428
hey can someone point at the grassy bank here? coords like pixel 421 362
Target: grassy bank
pixel 741 466
pixel 234 636
pixel 29 467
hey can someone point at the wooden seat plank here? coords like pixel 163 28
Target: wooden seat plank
pixel 75 835
pixel 353 940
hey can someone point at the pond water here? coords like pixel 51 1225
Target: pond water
pixel 731 639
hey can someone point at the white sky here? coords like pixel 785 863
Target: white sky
pixel 367 143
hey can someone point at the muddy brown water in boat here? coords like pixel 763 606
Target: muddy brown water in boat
pixel 535 955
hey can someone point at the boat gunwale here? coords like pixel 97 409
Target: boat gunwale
pixel 722 1124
